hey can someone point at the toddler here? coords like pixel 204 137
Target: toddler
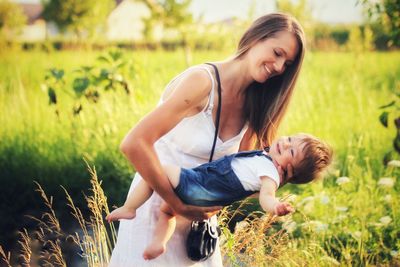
pixel 231 178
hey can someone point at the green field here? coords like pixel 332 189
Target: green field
pixel 337 99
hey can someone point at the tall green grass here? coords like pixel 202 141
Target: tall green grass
pixel 337 99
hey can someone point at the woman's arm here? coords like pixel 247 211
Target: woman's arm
pixel 188 98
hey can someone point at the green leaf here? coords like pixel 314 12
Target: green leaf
pixel 387 157
pixel 77 109
pixel 396 143
pixel 383 118
pixel 388 105
pixel 397 123
pixel 80 85
pixel 52 96
pixel 103 58
pixel 104 74
pixel 115 55
pixel 56 73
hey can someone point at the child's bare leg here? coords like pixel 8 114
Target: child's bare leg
pixel 165 227
pixel 140 194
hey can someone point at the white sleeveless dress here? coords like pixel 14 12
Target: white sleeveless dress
pixel 187 145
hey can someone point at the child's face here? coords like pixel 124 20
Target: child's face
pixel 287 150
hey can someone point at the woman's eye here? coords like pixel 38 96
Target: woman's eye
pixel 277 53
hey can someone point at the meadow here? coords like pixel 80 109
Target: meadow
pixel 350 218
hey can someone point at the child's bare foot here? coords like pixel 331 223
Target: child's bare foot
pixel 121 213
pixel 153 251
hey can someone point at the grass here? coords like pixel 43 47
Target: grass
pixel 337 99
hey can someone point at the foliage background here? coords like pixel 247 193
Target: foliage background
pixel 351 216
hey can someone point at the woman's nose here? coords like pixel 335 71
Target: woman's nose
pixel 279 66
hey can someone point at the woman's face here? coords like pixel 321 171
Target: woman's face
pixel 270 57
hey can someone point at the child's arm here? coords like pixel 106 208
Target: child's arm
pixel 268 201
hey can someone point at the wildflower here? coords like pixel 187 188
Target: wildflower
pixel 339 218
pixel 342 180
pixel 342 208
pixel 240 226
pixel 387 198
pixel 385 220
pixel 290 226
pixel 357 234
pixel 386 182
pixel 324 199
pixel 394 163
pixel 320 227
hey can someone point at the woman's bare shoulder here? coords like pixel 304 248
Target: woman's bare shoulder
pixel 194 86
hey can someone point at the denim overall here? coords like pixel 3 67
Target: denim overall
pixel 213 183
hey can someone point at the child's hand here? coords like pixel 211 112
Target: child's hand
pixel 283 208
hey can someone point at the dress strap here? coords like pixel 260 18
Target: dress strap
pixel 210 105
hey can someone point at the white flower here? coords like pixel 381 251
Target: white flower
pixel 394 163
pixel 357 234
pixel 386 182
pixel 394 253
pixel 321 227
pixel 385 220
pixel 308 208
pixel 324 199
pixel 339 218
pixel 318 226
pixel 289 226
pixel 342 208
pixel 388 198
pixel 240 226
pixel 342 180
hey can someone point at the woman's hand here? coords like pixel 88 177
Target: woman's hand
pixel 195 213
pixel 285 175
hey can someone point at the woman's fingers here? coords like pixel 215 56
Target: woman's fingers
pixel 199 213
pixel 281 174
pixel 289 171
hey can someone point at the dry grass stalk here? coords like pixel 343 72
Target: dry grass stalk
pixel 26 251
pixel 254 240
pixel 49 233
pixel 5 258
pixel 96 244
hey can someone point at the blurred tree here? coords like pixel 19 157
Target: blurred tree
pixel 173 15
pixel 12 19
pixel 355 42
pixel 368 39
pixel 302 11
pixel 81 17
pixel 385 13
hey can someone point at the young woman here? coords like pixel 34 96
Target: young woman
pixel 257 84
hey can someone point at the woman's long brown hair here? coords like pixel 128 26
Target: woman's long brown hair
pixel 266 103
